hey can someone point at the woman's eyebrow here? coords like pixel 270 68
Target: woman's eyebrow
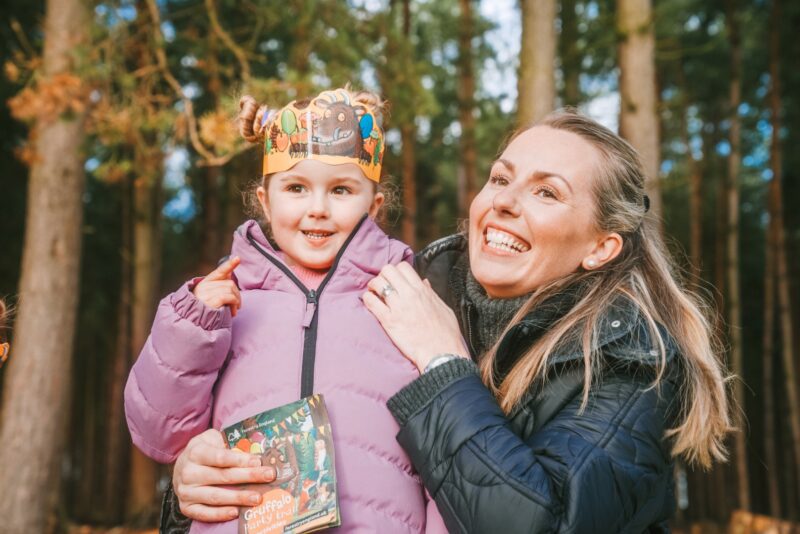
pixel 536 175
pixel 541 175
pixel 504 162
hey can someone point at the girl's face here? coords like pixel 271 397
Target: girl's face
pixel 313 207
pixel 532 222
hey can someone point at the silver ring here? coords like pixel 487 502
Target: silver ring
pixel 386 290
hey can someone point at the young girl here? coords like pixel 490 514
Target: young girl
pixel 282 318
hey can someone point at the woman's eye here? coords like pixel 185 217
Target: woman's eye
pixel 545 192
pixel 341 190
pixel 498 180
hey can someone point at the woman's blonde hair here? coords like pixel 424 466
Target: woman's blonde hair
pixel 253 129
pixel 644 273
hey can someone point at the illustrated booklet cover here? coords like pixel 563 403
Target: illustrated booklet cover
pixel 296 440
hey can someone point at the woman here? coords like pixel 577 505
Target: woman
pixel 594 368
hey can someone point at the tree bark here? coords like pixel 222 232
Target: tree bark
pixel 117 452
pixel 144 473
pixel 570 54
pixel 409 140
pixel 537 86
pixel 409 175
pixel 467 168
pixel 37 389
pixel 639 122
pixel 770 273
pixel 695 188
pixel 732 238
pixel 777 224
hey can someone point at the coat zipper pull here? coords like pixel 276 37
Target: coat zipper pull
pixel 311 307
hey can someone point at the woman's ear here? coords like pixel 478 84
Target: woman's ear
pixel 606 249
pixel 377 202
pixel 263 199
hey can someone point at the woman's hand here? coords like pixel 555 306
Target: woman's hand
pixel 205 465
pixel 413 315
pixel 218 289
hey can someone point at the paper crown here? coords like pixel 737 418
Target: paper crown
pixel 329 128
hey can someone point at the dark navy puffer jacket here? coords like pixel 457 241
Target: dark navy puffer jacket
pixel 547 466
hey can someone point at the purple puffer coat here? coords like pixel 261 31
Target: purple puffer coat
pixel 200 369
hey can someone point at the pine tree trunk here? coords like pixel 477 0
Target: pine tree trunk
pixel 777 223
pixel 570 54
pixel 37 386
pixel 408 155
pixel 768 393
pixel 467 169
pixel 117 451
pixel 408 172
pixel 141 505
pixel 695 188
pixel 639 122
pixel 770 272
pixel 537 86
pixel 732 268
pixel 211 234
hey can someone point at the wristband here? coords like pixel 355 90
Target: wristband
pixel 439 359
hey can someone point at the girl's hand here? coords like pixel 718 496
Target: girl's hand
pixel 206 464
pixel 218 289
pixel 413 315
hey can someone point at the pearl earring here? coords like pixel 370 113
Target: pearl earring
pixel 591 263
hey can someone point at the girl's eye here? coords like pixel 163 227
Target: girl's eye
pixel 497 179
pixel 545 192
pixel 341 190
pixel 295 188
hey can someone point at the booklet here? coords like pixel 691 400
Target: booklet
pixel 296 440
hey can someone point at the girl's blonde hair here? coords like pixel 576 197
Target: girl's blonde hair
pixel 253 130
pixel 644 273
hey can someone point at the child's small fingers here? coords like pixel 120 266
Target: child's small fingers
pixel 224 270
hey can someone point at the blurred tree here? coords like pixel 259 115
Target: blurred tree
pixel 38 387
pixel 536 83
pixel 467 166
pixel 638 122
pixel 733 293
pixel 570 54
pixel 777 243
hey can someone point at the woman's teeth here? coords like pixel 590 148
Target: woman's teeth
pixel 503 241
pixel 317 235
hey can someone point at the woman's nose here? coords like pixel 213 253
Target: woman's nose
pixel 506 201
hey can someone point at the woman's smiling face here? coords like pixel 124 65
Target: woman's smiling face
pixel 533 221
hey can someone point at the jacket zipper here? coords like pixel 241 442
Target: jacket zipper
pixel 311 317
pixel 468 323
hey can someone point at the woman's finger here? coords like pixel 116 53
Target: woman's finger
pixel 375 305
pixel 209 514
pixel 210 456
pixel 219 496
pixel 397 280
pixel 410 275
pixel 377 285
pixel 200 475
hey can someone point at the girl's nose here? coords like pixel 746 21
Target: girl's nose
pixel 319 205
pixel 506 201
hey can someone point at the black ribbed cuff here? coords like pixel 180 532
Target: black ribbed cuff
pixel 418 393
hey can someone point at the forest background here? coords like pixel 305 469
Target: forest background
pixel 123 176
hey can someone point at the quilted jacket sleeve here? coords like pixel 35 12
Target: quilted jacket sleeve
pixel 169 391
pixel 603 470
